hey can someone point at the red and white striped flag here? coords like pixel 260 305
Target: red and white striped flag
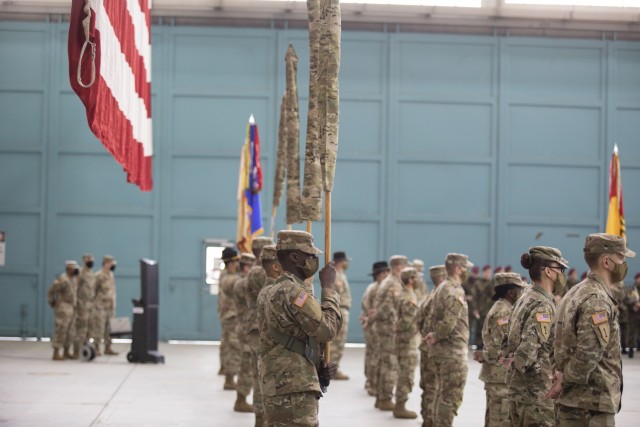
pixel 110 70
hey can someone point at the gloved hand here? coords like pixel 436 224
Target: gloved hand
pixel 326 372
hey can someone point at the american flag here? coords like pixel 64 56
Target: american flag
pixel 110 70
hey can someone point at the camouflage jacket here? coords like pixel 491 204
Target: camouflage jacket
pixel 450 320
pixel 226 306
pixel 406 327
pixel 631 299
pixel 530 342
pixel 386 305
pixel 256 280
pixel 368 302
pixel 242 310
pixel 618 291
pixel 481 293
pixel 86 288
pixel 62 292
pixel 291 309
pixel 105 291
pixel 587 348
pixel 261 315
pixel 423 318
pixel 421 289
pixel 342 286
pixel 494 332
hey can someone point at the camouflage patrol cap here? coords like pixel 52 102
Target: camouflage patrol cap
pixel 87 256
pixel 260 242
pixel 269 253
pixel 458 259
pixel 437 271
pixel 108 258
pixel 504 279
pixel 602 243
pixel 418 264
pixel 396 260
pixel 408 273
pixel 547 253
pixel 247 258
pixel 70 263
pixel 296 240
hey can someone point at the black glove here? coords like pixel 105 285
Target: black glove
pixel 325 373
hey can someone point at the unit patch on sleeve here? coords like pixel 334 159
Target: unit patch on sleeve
pixel 599 317
pixel 543 317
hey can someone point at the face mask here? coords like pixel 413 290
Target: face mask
pixel 113 267
pixel 310 267
pixel 619 272
pixel 76 271
pixel 560 283
pixel 89 264
pixel 346 266
pixel 464 276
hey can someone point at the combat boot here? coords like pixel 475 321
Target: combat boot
pixel 229 384
pixel 631 353
pixel 57 355
pixel 76 352
pixel 401 412
pixel 97 347
pixel 109 351
pixel 386 405
pixel 341 376
pixel 241 404
pixel 66 354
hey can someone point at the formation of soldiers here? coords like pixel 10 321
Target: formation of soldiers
pixel 83 302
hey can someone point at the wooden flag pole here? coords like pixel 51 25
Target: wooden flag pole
pixel 309 226
pixel 327 253
pixel 273 221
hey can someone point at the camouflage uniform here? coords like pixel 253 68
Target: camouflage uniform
pixel 481 294
pixel 587 346
pixel 450 327
pixel 245 377
pixel 62 298
pixel 619 292
pixel 406 343
pixel 420 289
pixel 84 305
pixel 337 347
pixel 633 308
pixel 104 306
pixel 370 354
pixel 228 315
pixel 530 341
pixel 290 384
pixel 493 374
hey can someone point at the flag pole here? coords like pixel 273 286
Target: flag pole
pixel 309 226
pixel 327 253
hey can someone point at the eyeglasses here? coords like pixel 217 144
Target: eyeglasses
pixel 562 269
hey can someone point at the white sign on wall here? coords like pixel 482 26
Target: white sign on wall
pixel 3 236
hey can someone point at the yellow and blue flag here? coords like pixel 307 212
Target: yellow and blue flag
pixel 249 187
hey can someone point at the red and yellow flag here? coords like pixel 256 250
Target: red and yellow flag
pixel 615 219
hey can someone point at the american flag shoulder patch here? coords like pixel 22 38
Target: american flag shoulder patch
pixel 599 317
pixel 301 299
pixel 543 317
pixel 503 321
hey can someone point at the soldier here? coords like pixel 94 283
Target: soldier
pixel 406 341
pixel 62 298
pixel 427 367
pixel 448 339
pixel 531 337
pixel 104 305
pixel 619 293
pixel 84 304
pixel 421 289
pixel 245 378
pixel 273 270
pixel 341 262
pixel 297 325
pixel 380 271
pixel 468 286
pixel 482 293
pixel 256 280
pixel 632 300
pixel 230 346
pixel 572 278
pixel 386 316
pixel 508 287
pixel 588 372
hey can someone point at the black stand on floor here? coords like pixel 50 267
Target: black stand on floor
pixel 144 345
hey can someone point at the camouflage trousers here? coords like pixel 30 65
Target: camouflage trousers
pixel 293 409
pixel 83 323
pixel 230 353
pixel 370 361
pixel 428 385
pixel 577 417
pixel 497 411
pixel 523 414
pixel 451 376
pixel 254 343
pixel 407 362
pixel 633 331
pixel 101 330
pixel 245 374
pixel 63 317
pixel 478 339
pixel 337 346
pixel 387 375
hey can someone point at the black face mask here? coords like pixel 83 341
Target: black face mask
pixel 76 271
pixel 89 264
pixel 113 267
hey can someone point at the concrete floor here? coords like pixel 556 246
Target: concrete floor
pixel 35 391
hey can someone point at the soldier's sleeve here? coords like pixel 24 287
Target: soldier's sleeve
pixel 386 309
pixel 498 322
pixel 406 315
pixel 321 320
pixel 51 293
pixel 535 332
pixel 593 329
pixel 255 281
pixel 452 306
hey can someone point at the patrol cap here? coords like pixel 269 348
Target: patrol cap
pixel 87 256
pixel 437 271
pixel 247 258
pixel 379 267
pixel 229 254
pixel 269 253
pixel 396 260
pixel 340 256
pixel 504 279
pixel 108 258
pixel 602 243
pixel 407 273
pixel 296 240
pixel 418 264
pixel 458 259
pixel 547 253
pixel 71 263
pixel 260 242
